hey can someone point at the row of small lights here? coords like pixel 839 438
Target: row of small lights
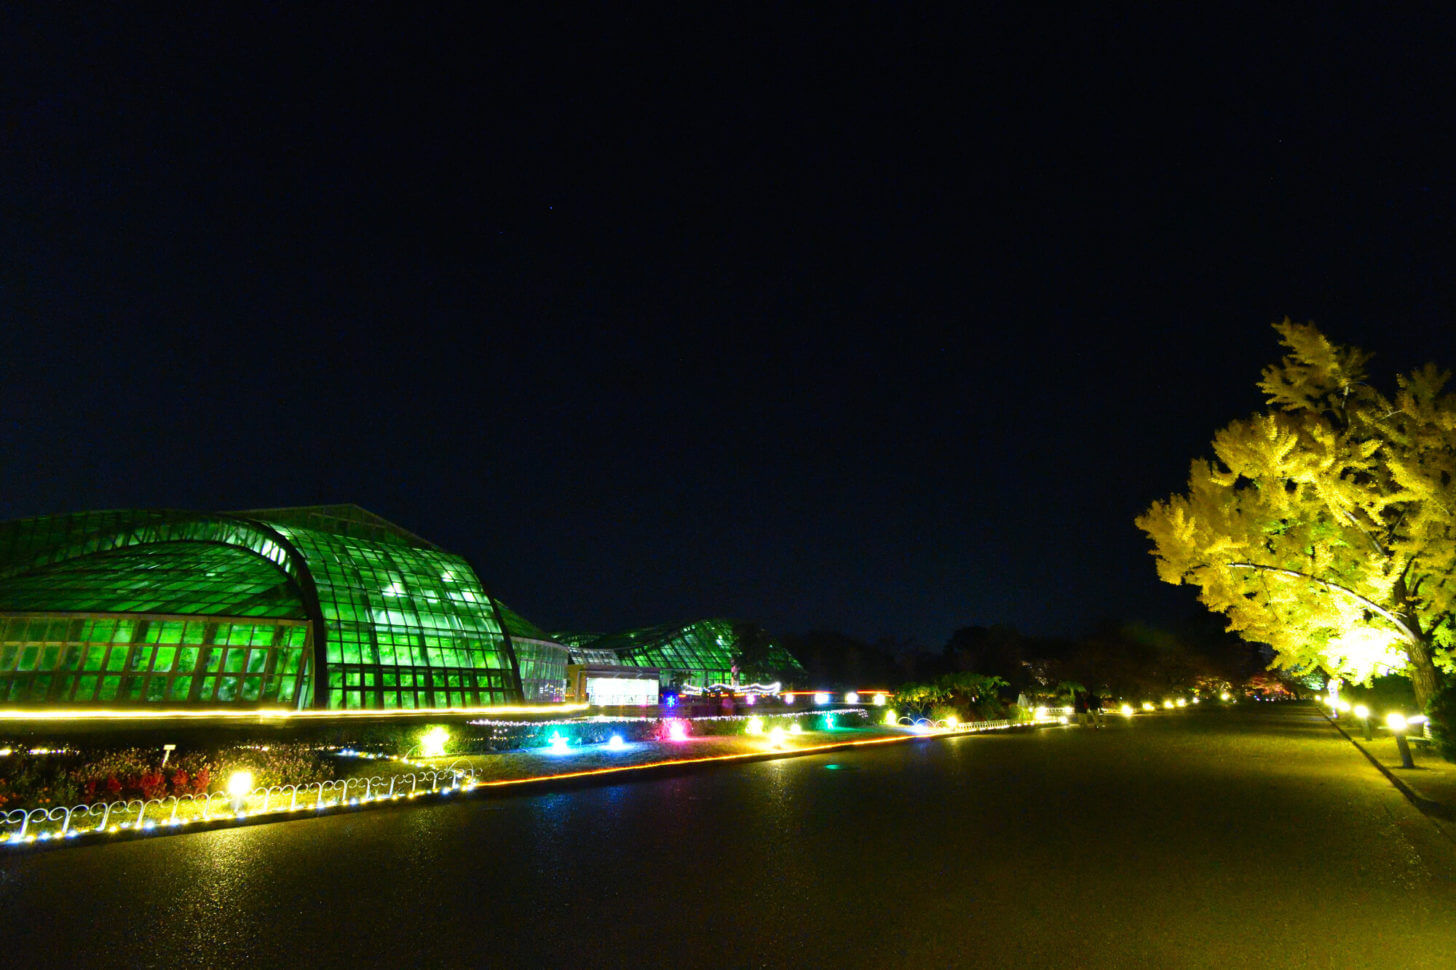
pixel 433 742
pixel 239 787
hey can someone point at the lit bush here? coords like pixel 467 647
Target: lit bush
pixel 1442 712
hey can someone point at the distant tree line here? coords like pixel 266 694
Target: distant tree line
pixel 1116 659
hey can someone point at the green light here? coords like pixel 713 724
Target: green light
pixel 433 741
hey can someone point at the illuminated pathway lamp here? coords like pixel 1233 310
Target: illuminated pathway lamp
pixel 616 743
pixel 890 718
pixel 851 698
pixel 1398 724
pixel 558 745
pixel 754 726
pixel 1363 713
pixel 821 698
pixel 239 784
pixel 677 730
pixel 1127 710
pixel 432 743
pixel 777 738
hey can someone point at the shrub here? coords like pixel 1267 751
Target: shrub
pixel 1442 712
pixel 273 764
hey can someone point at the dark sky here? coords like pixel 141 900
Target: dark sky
pixel 881 319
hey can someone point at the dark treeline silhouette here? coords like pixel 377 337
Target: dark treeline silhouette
pixel 1118 658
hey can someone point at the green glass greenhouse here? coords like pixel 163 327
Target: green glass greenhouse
pixel 699 654
pixel 319 607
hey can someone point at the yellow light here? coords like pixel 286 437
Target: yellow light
pixel 433 741
pixel 754 726
pixel 879 700
pixel 851 698
pixel 1396 722
pixel 796 728
pixel 1168 705
pixel 239 784
pixel 1040 712
pixel 890 718
pixel 1182 702
pixel 1344 706
pixel 1361 711
pixel 1127 710
pixel 1224 696
pixel 777 738
pixel 952 721
pixel 1148 706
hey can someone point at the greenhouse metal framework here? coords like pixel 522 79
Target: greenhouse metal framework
pixel 316 607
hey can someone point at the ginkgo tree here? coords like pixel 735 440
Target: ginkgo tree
pixel 1325 526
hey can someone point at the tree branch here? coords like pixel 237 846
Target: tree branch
pixel 1373 606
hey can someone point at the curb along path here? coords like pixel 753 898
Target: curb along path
pixel 1430 786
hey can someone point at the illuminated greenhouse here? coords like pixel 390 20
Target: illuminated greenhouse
pixel 700 654
pixel 326 606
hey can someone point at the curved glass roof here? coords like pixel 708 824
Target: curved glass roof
pixel 381 618
pixel 181 578
pixel 703 650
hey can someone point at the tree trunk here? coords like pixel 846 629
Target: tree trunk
pixel 1424 679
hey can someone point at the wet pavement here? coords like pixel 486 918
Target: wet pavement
pixel 1258 834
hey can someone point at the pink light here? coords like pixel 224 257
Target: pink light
pixel 677 730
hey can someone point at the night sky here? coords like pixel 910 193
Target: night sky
pixel 879 319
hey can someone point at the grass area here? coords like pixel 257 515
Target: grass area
pixel 539 762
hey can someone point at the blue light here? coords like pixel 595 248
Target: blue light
pixel 616 743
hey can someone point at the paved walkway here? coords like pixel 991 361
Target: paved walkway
pixel 1252 837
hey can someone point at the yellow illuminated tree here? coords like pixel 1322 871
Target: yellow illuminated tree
pixel 1326 525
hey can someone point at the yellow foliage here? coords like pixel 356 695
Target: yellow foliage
pixel 1326 527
